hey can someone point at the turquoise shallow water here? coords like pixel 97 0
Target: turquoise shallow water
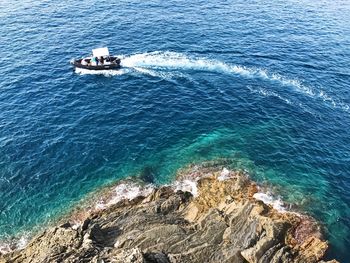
pixel 264 83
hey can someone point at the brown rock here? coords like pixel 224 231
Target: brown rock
pixel 222 224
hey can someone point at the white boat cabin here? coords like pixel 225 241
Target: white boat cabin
pixel 100 52
pixel 100 56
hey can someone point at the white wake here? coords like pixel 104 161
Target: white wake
pixel 167 65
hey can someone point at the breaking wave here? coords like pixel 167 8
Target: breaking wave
pixel 127 191
pixel 269 199
pixel 7 246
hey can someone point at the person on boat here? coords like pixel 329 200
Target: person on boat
pixel 102 60
pixel 84 62
pixel 97 61
pixel 93 61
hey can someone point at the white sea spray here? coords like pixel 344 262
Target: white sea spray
pixel 224 175
pixel 20 242
pixel 124 191
pixel 269 199
pixel 186 185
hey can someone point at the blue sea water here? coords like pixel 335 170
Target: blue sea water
pixel 266 83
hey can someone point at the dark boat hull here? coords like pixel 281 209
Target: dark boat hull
pixel 114 65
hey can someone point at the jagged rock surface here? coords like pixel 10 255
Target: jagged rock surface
pixel 222 224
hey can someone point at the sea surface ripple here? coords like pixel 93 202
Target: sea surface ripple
pixel 264 83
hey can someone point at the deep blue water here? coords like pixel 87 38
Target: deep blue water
pixel 263 82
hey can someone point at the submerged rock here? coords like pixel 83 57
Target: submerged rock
pixel 222 223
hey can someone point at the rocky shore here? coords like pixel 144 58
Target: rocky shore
pixel 210 214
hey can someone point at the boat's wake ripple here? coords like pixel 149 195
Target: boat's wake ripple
pixel 160 64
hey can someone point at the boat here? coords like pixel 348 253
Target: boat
pixel 99 60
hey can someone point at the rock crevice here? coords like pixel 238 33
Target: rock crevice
pixel 222 223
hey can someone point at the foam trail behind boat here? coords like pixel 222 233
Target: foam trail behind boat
pixel 178 61
pixel 157 63
pixel 173 60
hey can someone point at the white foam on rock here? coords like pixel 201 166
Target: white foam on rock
pixel 5 248
pixel 125 191
pixel 224 175
pixel 15 244
pixel 22 242
pixel 186 186
pixel 269 199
